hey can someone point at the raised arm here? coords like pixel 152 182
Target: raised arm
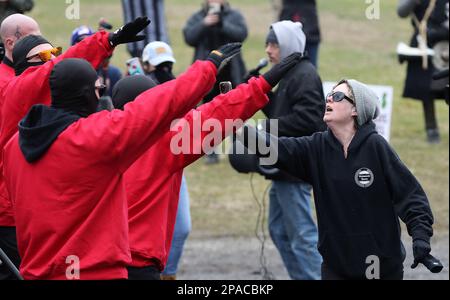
pixel 216 119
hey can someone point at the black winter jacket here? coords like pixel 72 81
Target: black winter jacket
pixel 204 39
pixel 304 11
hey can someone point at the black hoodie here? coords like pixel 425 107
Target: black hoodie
pixel 40 128
pixel 72 85
pixel 359 199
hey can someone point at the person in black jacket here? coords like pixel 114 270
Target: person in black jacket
pixel 297 106
pixel 418 82
pixel 304 11
pixel 214 25
pixel 361 188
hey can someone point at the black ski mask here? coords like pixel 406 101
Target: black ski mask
pixel 129 88
pixel 163 72
pixel 21 50
pixel 72 85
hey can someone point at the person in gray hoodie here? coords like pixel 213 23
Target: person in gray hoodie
pixel 297 106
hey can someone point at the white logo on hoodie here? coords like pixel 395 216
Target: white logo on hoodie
pixel 364 177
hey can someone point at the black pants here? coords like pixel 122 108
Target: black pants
pixel 145 273
pixel 329 274
pixel 8 243
pixel 429 114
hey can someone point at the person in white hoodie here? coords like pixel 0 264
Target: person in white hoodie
pixel 298 106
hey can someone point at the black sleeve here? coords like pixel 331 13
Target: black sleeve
pixel 307 113
pixel 194 30
pixel 411 202
pixel 234 27
pixel 292 154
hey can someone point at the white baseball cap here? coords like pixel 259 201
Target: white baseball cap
pixel 156 53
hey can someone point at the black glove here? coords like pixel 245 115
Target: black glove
pixel 128 32
pixel 224 54
pixel 250 75
pixel 105 103
pixel 274 75
pixel 421 249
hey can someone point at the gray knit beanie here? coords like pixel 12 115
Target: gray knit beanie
pixel 367 103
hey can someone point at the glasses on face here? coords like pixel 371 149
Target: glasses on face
pixel 101 88
pixel 46 55
pixel 339 96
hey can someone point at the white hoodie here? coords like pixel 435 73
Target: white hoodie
pixel 291 37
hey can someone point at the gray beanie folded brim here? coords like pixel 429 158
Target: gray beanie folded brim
pixel 367 103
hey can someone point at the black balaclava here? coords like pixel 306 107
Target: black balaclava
pixel 72 86
pixel 128 88
pixel 21 50
pixel 163 72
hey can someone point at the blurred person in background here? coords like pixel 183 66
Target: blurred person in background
pixel 154 9
pixel 297 105
pixel 418 83
pixel 109 74
pixel 214 25
pixel 9 7
pixel 12 29
pixel 158 61
pixel 304 11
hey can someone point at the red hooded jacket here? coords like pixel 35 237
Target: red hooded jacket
pixel 72 201
pixel 32 87
pixel 153 181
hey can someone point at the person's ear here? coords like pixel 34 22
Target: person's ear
pixel 9 44
pixel 354 112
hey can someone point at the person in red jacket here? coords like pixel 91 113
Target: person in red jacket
pixel 153 189
pixel 33 56
pixel 64 169
pixel 12 28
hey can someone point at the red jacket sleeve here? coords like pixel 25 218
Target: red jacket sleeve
pixel 32 87
pixel 216 119
pixel 127 134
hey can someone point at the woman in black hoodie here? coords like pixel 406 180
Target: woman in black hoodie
pixel 361 188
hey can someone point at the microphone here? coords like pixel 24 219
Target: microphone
pixel 262 64
pixel 255 72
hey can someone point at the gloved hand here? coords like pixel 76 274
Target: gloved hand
pixel 250 75
pixel 274 75
pixel 421 249
pixel 224 54
pixel 128 32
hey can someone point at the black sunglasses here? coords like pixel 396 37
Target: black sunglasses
pixel 339 96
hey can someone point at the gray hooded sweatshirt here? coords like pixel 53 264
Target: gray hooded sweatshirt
pixel 291 37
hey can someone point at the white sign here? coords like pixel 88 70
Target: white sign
pixel 386 96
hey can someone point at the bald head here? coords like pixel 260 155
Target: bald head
pixel 15 27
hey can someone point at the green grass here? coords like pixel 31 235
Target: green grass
pixel 353 46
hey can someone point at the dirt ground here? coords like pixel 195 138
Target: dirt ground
pixel 227 258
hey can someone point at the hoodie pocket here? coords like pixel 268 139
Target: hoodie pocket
pixel 347 254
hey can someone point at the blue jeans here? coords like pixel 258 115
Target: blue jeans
pixel 293 230
pixel 181 232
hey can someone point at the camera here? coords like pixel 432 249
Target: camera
pixel 214 8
